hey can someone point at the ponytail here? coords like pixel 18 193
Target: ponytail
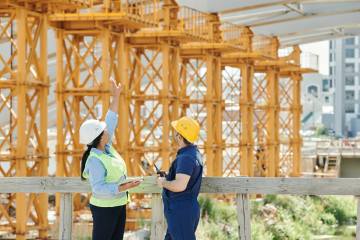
pixel 86 154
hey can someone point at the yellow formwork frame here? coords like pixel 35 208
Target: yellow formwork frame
pixel 122 57
pixel 240 160
pixel 84 87
pixel 291 89
pixel 266 97
pixel 152 90
pixel 155 91
pixel 231 153
pixel 78 94
pixel 204 71
pixel 23 92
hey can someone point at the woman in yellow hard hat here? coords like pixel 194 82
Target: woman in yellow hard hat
pixel 106 171
pixel 182 184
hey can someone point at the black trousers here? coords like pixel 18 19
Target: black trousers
pixel 109 222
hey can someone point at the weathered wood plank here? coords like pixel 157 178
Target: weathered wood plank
pixel 158 226
pixel 294 186
pixel 245 185
pixel 243 216
pixel 66 210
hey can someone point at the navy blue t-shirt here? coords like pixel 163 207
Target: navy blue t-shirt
pixel 188 161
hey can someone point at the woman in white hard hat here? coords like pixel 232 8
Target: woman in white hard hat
pixel 106 171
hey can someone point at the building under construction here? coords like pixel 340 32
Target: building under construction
pixel 240 82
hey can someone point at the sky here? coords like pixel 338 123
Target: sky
pixel 322 50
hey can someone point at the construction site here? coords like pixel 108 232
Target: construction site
pixel 234 66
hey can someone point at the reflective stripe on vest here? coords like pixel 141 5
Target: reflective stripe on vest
pixel 115 172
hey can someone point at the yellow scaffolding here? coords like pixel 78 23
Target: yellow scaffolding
pixel 290 112
pixel 172 61
pixel 23 102
pixel 266 107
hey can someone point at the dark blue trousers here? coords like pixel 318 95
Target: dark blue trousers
pixel 109 222
pixel 182 218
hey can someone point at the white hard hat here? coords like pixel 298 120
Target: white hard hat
pixel 90 130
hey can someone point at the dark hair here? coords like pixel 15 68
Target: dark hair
pixel 85 156
pixel 186 141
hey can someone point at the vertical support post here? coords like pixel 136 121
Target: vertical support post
pixel 165 151
pixel 66 210
pixel 209 115
pixel 296 108
pixel 75 164
pixel 123 137
pixel 138 103
pixel 272 124
pixel 218 160
pixel 243 215
pixel 43 217
pixel 247 115
pixel 157 219
pixel 183 84
pixel 21 146
pixel 175 82
pixel 247 109
pixel 105 63
pixel 277 123
pixel 60 138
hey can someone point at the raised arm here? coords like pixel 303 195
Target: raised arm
pixel 111 118
pixel 116 90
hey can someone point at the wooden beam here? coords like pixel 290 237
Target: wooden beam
pixel 241 185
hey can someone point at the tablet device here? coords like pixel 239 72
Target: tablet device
pixel 131 179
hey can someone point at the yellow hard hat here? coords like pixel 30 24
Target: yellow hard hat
pixel 187 127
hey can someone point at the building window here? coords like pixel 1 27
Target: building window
pixel 349 107
pixel 349 95
pixel 350 41
pixel 330 57
pixel 331 83
pixel 331 44
pixel 313 90
pixel 331 72
pixel 327 99
pixel 349 67
pixel 325 85
pixel 350 80
pixel 349 53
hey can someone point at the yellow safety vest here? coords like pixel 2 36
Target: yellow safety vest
pixel 115 173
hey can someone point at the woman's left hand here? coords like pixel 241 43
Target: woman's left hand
pixel 116 88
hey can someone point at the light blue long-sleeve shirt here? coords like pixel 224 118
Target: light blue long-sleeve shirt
pixel 95 168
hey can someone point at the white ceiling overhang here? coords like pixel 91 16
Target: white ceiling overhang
pixel 293 21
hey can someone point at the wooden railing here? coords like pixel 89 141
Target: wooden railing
pixel 241 186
